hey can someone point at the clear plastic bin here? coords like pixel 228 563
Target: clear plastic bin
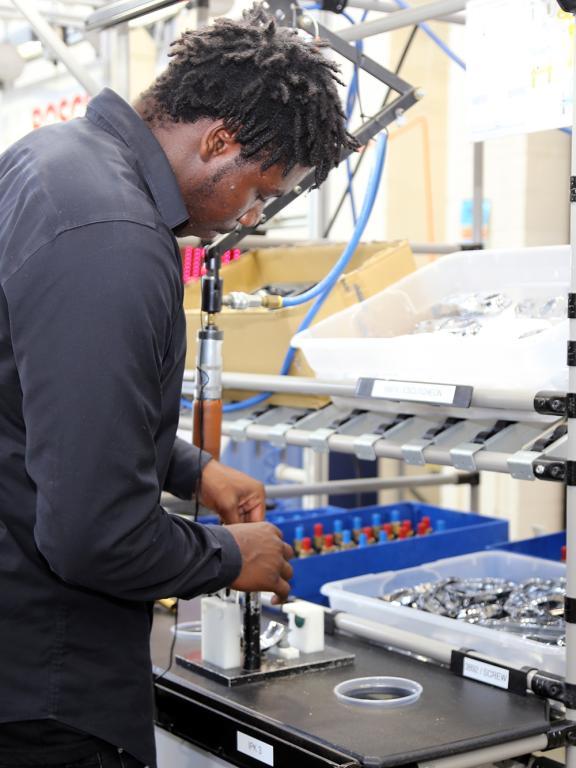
pixel 361 597
pixel 375 338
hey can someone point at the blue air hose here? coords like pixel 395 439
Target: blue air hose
pixel 322 289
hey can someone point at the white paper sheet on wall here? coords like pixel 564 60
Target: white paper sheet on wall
pixel 520 57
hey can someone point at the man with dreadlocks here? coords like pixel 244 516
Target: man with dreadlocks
pixel 92 347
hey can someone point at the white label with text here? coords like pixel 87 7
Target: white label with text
pixel 255 748
pixel 486 673
pixel 414 391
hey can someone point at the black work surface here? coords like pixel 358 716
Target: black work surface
pixel 453 715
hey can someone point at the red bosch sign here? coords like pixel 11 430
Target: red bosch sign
pixel 59 111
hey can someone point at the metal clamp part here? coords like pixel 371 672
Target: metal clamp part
pixel 413 452
pixel 277 434
pixel 521 465
pixel 319 439
pixel 237 429
pixel 463 456
pixel 364 446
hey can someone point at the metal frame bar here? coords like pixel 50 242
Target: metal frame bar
pixel 366 484
pixel 387 7
pixel 571 445
pixel 124 10
pixel 404 18
pixel 50 39
pixel 478 193
pixel 497 399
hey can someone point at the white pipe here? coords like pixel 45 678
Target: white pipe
pixel 490 755
pixel 519 399
pixel 391 636
pixel 363 485
pixel 289 473
pixel 400 19
pixel 50 39
pixel 387 7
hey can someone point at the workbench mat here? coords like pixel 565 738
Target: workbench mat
pixel 453 715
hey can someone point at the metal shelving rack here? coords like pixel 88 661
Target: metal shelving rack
pixel 522 434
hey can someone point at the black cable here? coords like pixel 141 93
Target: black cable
pixel 172 646
pixel 399 66
pixel 197 491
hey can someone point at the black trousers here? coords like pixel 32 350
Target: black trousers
pixel 104 758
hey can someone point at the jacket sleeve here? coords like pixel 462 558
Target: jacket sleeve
pixel 186 465
pixel 92 314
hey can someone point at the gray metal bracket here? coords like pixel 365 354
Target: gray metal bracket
pixel 277 432
pixel 521 464
pixel 237 429
pixel 413 451
pixel 365 444
pixel 319 439
pixel 462 456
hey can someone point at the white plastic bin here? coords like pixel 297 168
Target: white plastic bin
pixel 374 338
pixel 361 597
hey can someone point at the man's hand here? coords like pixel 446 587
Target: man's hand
pixel 265 566
pixel 234 496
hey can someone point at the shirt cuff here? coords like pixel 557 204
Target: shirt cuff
pixel 230 558
pixel 185 464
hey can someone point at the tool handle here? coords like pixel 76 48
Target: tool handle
pixel 208 426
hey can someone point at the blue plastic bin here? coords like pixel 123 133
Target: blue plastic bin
pixel 462 533
pixel 287 519
pixel 548 547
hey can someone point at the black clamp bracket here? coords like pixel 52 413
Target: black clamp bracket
pixel 561 733
pixel 550 403
pixel 550 469
pixel 336 6
pixel 474 666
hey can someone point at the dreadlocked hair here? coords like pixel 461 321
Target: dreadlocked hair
pixel 275 92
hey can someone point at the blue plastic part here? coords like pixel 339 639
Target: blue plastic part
pixel 376 519
pixel 395 516
pixel 382 537
pixel 462 533
pixel 299 533
pixel 356 523
pixel 362 540
pixel 548 547
pixel 338 524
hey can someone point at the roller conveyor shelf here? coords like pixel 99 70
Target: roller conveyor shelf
pixel 522 443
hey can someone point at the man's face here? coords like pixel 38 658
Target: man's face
pixel 234 193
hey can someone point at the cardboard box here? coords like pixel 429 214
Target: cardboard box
pixel 256 340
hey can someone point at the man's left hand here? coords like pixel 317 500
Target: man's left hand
pixel 234 496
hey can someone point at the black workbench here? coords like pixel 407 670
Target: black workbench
pixel 307 726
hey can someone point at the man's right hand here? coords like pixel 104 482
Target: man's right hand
pixel 265 566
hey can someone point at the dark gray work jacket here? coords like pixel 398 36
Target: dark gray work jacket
pixel 92 346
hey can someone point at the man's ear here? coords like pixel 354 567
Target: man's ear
pixel 217 141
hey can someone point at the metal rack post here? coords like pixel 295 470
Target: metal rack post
pixel 570 607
